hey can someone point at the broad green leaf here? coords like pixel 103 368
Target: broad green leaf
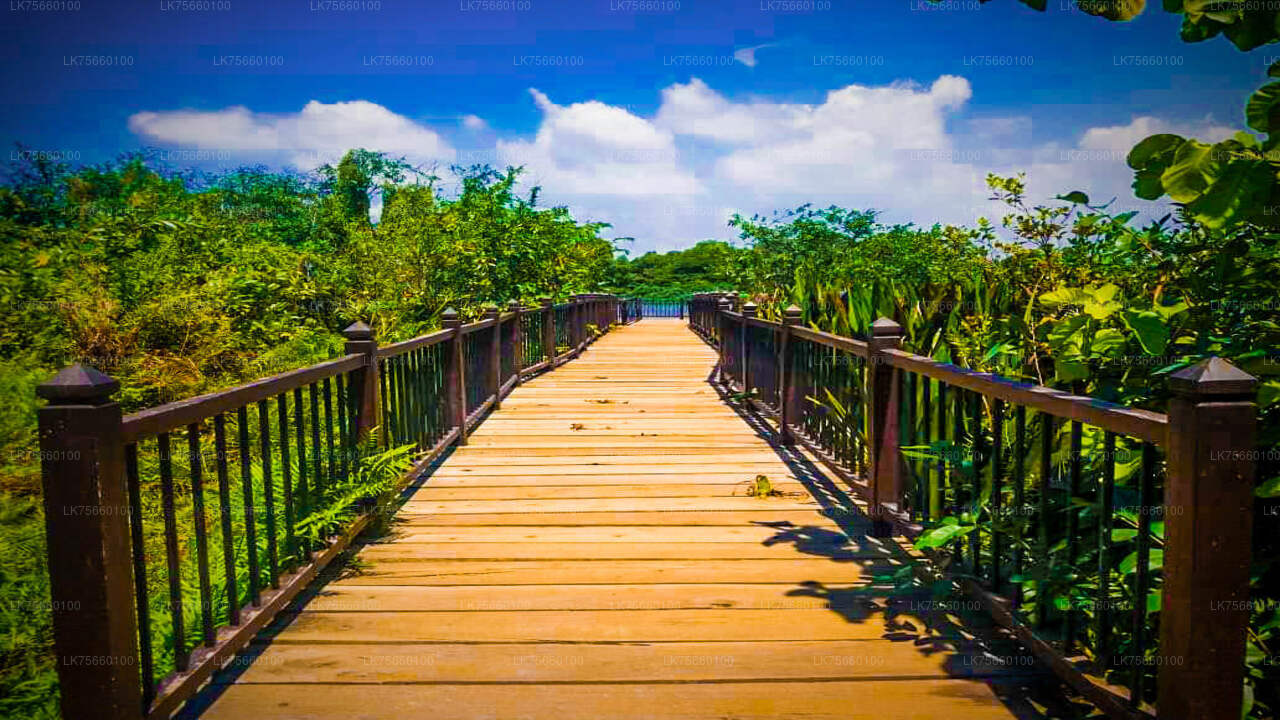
pixel 1152 330
pixel 1076 197
pixel 1269 489
pixel 1130 563
pixel 1193 170
pixel 1107 340
pixel 1156 148
pixel 1262 112
pixel 1070 370
pixel 1114 10
pixel 942 535
pixel 1123 534
pixel 1100 302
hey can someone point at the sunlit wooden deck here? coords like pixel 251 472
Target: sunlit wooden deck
pixel 592 553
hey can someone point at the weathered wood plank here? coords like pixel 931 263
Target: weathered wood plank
pixel 843 700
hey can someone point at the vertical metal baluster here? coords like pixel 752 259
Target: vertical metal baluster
pixel 1019 485
pixel 286 477
pixel 927 507
pixel 343 401
pixel 1073 529
pixel 174 568
pixel 201 533
pixel 250 512
pixel 957 463
pixel 907 385
pixel 975 484
pixel 302 493
pixel 1102 609
pixel 224 514
pixel 1046 562
pixel 268 493
pixel 328 429
pixel 139 552
pixel 940 505
pixel 318 480
pixel 1142 575
pixel 997 490
pixel 383 371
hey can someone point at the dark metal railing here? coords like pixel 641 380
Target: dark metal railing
pixel 180 531
pixel 1072 519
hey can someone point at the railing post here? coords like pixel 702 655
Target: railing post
pixel 548 330
pixel 90 562
pixel 455 381
pixel 722 330
pixel 788 394
pixel 495 353
pixel 573 325
pixel 886 459
pixel 363 381
pixel 517 341
pixel 748 311
pixel 1208 506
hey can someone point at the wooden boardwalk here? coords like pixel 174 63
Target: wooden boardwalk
pixel 592 553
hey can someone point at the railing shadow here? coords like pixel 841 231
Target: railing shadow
pixel 934 619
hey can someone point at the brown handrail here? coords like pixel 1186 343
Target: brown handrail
pixel 97 557
pixel 1208 436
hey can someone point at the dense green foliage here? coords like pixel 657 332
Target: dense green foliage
pixel 674 275
pixel 178 284
pixel 1073 297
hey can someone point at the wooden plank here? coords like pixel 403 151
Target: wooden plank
pixel 740 518
pixel 665 662
pixel 828 545
pixel 624 504
pixel 840 700
pixel 600 534
pixel 613 572
pixel 746 469
pixel 482 479
pixel 529 598
pixel 727 488
pixel 579 626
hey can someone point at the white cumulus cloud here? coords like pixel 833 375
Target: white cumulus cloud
pixel 317 134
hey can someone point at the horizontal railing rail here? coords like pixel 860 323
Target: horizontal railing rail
pixel 180 531
pixel 1014 488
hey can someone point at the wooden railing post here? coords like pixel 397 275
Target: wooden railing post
pixel 517 340
pixel 722 330
pixel 455 382
pixel 495 354
pixel 1208 506
pixel 364 381
pixel 90 562
pixel 886 456
pixel 577 313
pixel 788 394
pixel 748 311
pixel 548 330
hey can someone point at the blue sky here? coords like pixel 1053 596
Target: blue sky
pixel 661 116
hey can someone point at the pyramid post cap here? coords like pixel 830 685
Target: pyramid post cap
pixel 1213 376
pixel 78 384
pixel 544 300
pixel 885 327
pixel 513 304
pixel 358 331
pixel 750 309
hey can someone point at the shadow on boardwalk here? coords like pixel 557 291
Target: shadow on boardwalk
pixel 933 619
